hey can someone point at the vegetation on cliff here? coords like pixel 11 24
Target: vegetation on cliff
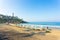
pixel 10 19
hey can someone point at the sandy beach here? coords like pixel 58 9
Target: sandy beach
pixel 8 32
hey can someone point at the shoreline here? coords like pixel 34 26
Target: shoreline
pixel 39 26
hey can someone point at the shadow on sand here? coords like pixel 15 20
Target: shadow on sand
pixel 29 35
pixel 11 35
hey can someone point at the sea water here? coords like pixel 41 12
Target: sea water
pixel 41 24
pixel 46 23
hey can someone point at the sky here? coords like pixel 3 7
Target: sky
pixel 32 10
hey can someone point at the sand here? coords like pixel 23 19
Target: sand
pixel 9 32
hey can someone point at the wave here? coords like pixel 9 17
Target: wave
pixel 39 26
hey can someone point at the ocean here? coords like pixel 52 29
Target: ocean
pixel 41 24
pixel 45 23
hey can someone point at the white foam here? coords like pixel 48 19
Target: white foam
pixel 37 26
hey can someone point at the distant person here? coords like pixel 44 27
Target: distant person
pixel 47 27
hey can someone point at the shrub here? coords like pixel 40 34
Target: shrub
pixel 47 31
pixel 43 29
pixel 37 29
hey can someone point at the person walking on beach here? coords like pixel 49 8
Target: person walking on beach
pixel 47 27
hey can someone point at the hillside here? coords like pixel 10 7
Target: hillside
pixel 10 19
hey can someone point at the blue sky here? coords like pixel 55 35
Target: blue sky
pixel 32 10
